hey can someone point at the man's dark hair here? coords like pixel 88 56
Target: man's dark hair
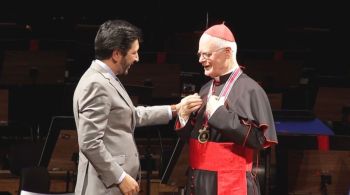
pixel 115 34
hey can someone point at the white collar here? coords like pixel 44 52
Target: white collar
pixel 106 67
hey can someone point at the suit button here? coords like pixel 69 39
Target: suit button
pixel 136 154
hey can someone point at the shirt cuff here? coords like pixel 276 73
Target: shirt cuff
pixel 121 177
pixel 170 113
pixel 182 121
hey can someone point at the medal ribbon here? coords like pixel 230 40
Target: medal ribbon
pixel 226 90
pixel 228 85
pixel 203 136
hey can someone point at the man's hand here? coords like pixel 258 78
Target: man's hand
pixel 189 104
pixel 129 186
pixel 214 102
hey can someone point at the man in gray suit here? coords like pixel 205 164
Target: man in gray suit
pixel 106 118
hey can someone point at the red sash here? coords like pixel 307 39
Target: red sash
pixel 229 160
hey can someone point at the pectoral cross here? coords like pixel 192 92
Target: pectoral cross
pixel 203 136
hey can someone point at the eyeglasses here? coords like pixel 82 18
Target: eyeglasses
pixel 207 55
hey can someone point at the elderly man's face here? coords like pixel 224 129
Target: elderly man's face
pixel 212 57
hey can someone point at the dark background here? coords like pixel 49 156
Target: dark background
pixel 319 29
pixel 313 32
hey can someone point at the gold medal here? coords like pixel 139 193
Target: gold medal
pixel 203 136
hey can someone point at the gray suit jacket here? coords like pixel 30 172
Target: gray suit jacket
pixel 106 119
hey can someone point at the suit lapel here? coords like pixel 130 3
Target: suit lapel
pixel 121 90
pixel 117 85
pixel 123 93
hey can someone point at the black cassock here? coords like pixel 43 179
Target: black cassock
pixel 223 165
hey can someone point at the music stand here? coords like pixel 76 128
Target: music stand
pixel 58 123
pixel 60 151
pixel 175 173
